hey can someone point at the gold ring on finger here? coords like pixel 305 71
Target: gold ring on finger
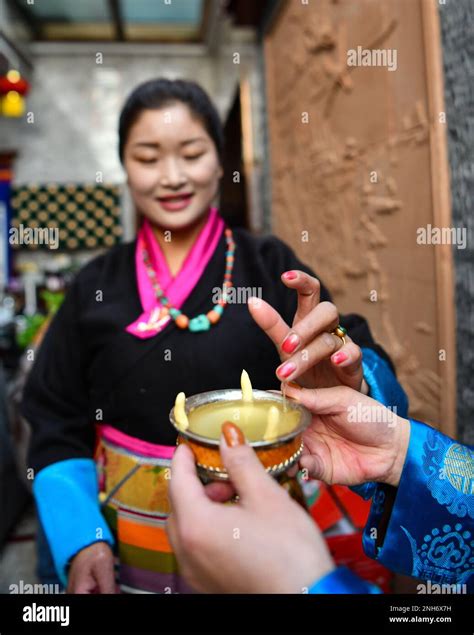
pixel 340 332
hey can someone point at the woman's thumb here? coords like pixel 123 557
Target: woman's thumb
pixel 247 474
pixel 313 466
pixel 322 400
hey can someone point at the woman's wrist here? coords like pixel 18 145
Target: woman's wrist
pixel 318 574
pixel 400 448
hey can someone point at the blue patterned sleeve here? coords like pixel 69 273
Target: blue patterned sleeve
pixel 384 387
pixel 425 527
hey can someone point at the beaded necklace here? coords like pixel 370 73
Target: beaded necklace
pixel 201 322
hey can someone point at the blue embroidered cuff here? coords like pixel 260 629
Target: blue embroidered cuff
pixel 343 580
pixel 66 495
pixel 384 387
pixel 429 529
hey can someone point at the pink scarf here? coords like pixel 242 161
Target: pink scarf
pixel 176 289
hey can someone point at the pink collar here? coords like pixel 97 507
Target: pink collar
pixel 176 289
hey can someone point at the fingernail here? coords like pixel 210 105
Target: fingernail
pixel 290 343
pixel 286 369
pixel 293 384
pixel 340 357
pixel 233 435
pixel 254 301
pixel 290 275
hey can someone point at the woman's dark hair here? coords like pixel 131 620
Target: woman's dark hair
pixel 158 93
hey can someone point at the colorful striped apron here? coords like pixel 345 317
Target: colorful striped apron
pixel 133 485
pixel 136 509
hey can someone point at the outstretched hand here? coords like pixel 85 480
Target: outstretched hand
pixel 308 349
pixel 352 438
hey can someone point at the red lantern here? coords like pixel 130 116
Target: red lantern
pixel 14 81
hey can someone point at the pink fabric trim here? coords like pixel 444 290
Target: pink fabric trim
pixel 176 289
pixel 143 448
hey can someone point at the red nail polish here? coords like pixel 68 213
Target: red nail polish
pixel 290 275
pixel 338 358
pixel 290 343
pixel 286 369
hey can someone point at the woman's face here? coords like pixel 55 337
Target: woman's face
pixel 172 166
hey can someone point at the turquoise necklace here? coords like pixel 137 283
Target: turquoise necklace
pixel 203 321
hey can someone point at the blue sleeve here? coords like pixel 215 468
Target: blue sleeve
pixel 343 580
pixel 425 527
pixel 67 498
pixel 384 387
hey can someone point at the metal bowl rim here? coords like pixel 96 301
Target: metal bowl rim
pixel 235 394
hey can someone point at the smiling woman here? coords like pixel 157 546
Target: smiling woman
pixel 171 147
pixel 172 165
pixel 108 371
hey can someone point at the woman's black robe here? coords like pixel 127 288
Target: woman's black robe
pixel 90 370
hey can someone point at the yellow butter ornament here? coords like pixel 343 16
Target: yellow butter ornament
pixel 246 386
pixel 271 431
pixel 180 415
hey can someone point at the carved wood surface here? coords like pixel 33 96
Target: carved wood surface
pixel 358 166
